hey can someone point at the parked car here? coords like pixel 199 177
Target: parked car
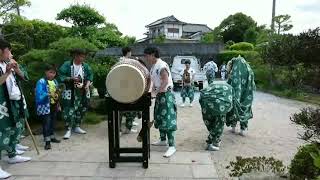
pixel 178 65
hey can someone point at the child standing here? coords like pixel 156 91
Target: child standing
pixel 47 103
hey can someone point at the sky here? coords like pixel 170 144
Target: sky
pixel 131 16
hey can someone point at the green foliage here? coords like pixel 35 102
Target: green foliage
pixel 264 36
pixel 93 118
pixel 309 119
pixel 251 35
pixel 226 56
pixel 302 165
pixel 228 44
pixel 35 59
pixel 261 73
pixel 242 46
pixel 160 39
pixel 31 34
pixel 109 36
pixel 67 44
pixel 309 48
pixel 81 16
pixel 256 164
pixel 210 37
pixel 281 50
pixel 316 158
pixel 6 6
pixel 291 76
pixel 101 68
pixel 282 23
pixel 90 25
pixel 234 27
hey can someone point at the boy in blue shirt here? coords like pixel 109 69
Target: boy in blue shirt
pixel 47 102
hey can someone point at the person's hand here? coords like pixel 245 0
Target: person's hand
pixel 87 87
pixel 14 65
pixel 9 67
pixel 75 79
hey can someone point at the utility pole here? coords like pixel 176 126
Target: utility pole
pixel 273 14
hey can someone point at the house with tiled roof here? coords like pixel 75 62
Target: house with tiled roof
pixel 174 31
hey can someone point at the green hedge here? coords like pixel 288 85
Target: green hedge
pixel 100 68
pixel 242 46
pixel 226 56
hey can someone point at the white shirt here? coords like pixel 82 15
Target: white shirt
pixel 210 66
pixel 156 77
pixel 78 70
pixel 12 86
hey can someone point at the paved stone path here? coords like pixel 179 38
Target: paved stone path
pixel 86 156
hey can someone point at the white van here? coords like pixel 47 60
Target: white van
pixel 178 65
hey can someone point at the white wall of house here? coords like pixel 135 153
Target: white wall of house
pixel 173 31
pixel 156 31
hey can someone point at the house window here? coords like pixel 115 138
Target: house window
pixel 173 30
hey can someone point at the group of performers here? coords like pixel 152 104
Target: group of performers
pixel 72 86
pixel 222 102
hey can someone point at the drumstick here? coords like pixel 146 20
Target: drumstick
pixel 32 137
pixel 139 137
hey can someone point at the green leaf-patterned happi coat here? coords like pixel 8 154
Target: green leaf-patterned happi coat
pixel 12 118
pixel 242 80
pixel 165 112
pixel 216 102
pixel 74 101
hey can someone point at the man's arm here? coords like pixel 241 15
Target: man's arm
pixel 164 75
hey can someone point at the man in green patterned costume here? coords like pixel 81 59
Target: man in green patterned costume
pixel 241 78
pixel 129 115
pixel 165 111
pixel 77 77
pixel 13 110
pixel 216 102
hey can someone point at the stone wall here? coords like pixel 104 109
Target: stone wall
pixel 168 51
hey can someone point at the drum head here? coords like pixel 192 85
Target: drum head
pixel 125 83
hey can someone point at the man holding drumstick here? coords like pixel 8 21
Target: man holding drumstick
pixel 165 110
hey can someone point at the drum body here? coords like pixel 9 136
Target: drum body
pixel 127 81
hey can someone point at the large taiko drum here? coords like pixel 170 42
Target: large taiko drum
pixel 127 81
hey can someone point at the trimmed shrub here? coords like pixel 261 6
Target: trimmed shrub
pixel 242 46
pixel 226 56
pixel 302 166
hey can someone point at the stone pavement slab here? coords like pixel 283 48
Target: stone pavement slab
pixel 85 165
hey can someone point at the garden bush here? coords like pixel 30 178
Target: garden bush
pixel 302 165
pixel 227 55
pixel 58 53
pixel 242 46
pixel 100 68
pixel 256 164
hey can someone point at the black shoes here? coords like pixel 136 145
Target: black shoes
pixel 54 140
pixel 47 146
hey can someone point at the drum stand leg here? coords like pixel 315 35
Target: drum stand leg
pixel 145 139
pixel 111 139
pixel 117 133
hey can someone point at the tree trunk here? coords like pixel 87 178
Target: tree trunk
pixel 18 9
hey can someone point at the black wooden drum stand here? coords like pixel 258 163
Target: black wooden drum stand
pixel 113 107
